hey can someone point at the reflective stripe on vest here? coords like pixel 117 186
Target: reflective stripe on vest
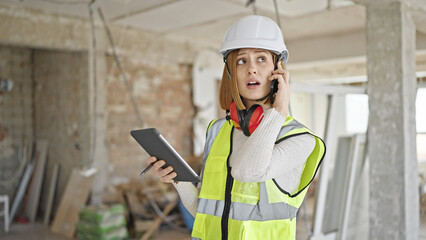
pixel 256 209
pixel 262 211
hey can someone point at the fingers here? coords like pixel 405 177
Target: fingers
pixel 151 160
pixel 286 77
pixel 280 68
pixel 165 175
pixel 276 76
pixel 280 65
pixel 280 72
pixel 282 96
pixel 168 178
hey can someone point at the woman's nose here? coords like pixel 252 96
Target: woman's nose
pixel 251 69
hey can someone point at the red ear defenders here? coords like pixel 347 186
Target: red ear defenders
pixel 246 120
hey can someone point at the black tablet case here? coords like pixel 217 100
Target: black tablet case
pixel 156 145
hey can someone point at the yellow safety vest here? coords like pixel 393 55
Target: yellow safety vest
pixel 229 209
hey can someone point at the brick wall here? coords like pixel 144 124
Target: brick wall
pixel 16 114
pixel 58 105
pixel 163 95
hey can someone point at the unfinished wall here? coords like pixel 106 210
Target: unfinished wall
pixel 159 70
pixel 163 95
pixel 61 112
pixel 16 114
pixel 48 101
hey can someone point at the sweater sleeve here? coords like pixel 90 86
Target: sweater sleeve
pixel 188 193
pixel 259 158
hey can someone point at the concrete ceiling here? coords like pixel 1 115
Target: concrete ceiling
pixel 205 22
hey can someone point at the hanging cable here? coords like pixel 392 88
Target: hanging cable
pixel 253 3
pixel 328 4
pixel 277 14
pixel 120 67
pixel 130 93
pixel 95 85
pixel 66 2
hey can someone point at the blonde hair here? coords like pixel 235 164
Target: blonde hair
pixel 228 91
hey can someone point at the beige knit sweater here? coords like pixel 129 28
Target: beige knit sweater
pixel 257 158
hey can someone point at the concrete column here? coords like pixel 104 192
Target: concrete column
pixel 394 199
pixel 97 112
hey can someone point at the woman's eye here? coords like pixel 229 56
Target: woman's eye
pixel 261 59
pixel 240 61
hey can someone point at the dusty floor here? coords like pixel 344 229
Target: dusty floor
pixel 39 231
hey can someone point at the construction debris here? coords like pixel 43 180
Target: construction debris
pixel 135 209
pixel 74 198
pixel 144 219
pixel 102 222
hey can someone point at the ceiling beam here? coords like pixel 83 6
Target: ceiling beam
pixel 141 11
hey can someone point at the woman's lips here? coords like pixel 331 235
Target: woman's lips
pixel 253 84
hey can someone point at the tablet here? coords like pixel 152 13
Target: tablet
pixel 156 145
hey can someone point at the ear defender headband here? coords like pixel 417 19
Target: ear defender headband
pixel 246 121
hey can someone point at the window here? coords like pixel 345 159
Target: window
pixel 356 113
pixel 357 118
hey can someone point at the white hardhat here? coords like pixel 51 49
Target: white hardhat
pixel 254 32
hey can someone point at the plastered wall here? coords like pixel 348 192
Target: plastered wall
pixel 61 114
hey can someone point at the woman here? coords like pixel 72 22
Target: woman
pixel 258 161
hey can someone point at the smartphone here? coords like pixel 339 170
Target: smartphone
pixel 274 89
pixel 274 85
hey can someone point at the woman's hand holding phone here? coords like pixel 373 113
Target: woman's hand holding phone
pixel 282 96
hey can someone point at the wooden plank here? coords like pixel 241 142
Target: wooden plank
pixel 21 191
pixel 136 207
pixel 33 159
pixel 28 149
pixel 112 197
pixel 143 225
pixel 74 198
pixel 158 220
pixel 51 194
pixel 37 180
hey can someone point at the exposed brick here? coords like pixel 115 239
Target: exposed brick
pixel 164 99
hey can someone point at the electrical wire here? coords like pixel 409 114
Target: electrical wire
pixel 120 67
pixel 66 2
pixel 95 85
pixel 277 14
pixel 138 115
pixel 253 3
